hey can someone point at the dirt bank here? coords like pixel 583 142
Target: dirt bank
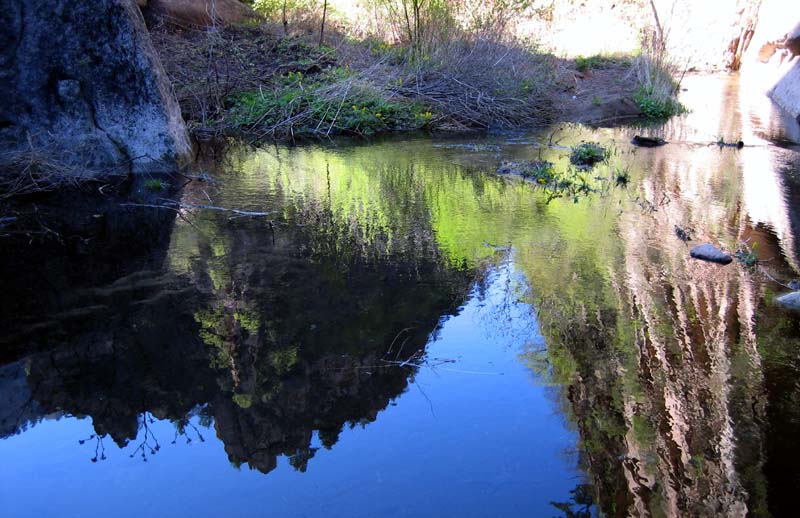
pixel 599 95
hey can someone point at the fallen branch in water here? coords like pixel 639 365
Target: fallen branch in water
pixel 174 205
pixel 168 207
pixel 177 206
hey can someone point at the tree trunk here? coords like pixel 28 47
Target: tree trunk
pixel 284 20
pixel 322 25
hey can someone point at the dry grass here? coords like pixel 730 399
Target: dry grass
pixel 481 82
pixel 32 171
pixel 208 67
pixel 659 78
pixel 214 70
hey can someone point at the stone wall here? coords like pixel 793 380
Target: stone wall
pixel 81 83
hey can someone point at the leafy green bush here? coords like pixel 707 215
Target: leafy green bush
pixel 588 154
pixel 655 106
pixel 747 255
pixel 657 75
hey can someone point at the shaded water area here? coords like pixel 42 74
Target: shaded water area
pixel 408 334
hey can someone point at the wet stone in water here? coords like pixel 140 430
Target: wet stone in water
pixel 648 141
pixel 707 252
pixel 790 300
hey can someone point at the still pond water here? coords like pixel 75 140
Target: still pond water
pixel 408 334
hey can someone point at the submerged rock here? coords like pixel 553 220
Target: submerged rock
pixel 81 83
pixel 648 141
pixel 790 300
pixel 707 252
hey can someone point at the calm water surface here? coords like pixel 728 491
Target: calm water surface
pixel 407 334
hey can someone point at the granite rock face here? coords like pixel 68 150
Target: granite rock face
pixel 80 82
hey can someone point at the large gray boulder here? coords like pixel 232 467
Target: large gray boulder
pixel 786 92
pixel 80 82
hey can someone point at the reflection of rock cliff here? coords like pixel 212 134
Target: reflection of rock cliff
pixel 321 396
pixel 272 344
pixel 300 335
pixel 678 375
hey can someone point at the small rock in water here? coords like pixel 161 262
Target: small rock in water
pixel 638 140
pixel 790 300
pixel 710 253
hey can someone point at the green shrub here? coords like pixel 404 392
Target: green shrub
pixel 747 255
pixel 655 106
pixel 244 401
pixel 588 154
pixel 657 73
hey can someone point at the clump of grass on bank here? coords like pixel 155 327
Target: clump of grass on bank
pixel 656 73
pixel 657 105
pixel 325 106
pixel 599 61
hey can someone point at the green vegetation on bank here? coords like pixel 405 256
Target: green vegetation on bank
pixel 658 77
pixel 331 103
pixel 657 106
pixel 288 76
pixel 599 61
pixel 413 65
